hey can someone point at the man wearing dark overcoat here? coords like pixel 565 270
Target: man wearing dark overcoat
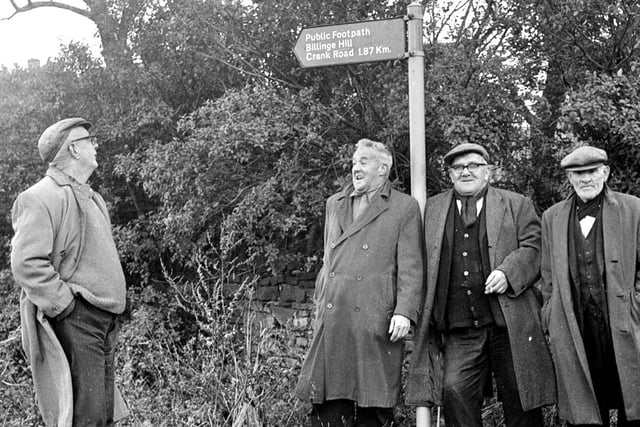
pixel 480 310
pixel 591 288
pixel 367 294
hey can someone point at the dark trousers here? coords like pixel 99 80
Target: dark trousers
pixel 345 413
pixel 470 355
pixel 88 338
pixel 602 365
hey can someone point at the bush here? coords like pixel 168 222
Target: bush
pixel 230 369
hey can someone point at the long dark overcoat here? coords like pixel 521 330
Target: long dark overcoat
pixel 373 269
pixel 513 236
pixel 621 233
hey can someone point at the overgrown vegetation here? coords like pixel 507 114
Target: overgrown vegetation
pixel 217 153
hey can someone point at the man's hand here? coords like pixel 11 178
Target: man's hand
pixel 399 327
pixel 496 283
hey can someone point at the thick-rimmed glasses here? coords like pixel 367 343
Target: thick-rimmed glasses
pixel 471 167
pixel 92 138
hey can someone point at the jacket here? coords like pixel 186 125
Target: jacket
pixel 372 269
pixel 621 233
pixel 513 236
pixel 47 219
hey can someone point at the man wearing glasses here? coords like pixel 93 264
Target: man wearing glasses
pixel 480 310
pixel 73 288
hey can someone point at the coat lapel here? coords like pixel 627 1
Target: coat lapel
pixel 611 226
pixel 342 210
pixel 435 220
pixel 378 205
pixel 495 209
pixel 561 258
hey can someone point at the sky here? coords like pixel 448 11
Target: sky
pixel 39 33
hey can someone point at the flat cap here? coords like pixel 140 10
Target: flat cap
pixel 54 136
pixel 465 148
pixel 583 158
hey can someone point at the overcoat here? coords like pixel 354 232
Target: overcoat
pixel 372 269
pixel 57 225
pixel 513 236
pixel 621 235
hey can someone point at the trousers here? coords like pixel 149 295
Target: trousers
pixel 470 355
pixel 346 413
pixel 88 337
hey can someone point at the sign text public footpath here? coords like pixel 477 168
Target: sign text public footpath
pixel 352 43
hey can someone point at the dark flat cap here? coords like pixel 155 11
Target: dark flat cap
pixel 583 158
pixel 54 136
pixel 465 148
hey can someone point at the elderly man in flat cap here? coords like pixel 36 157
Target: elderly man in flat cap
pixel 73 287
pixel 483 257
pixel 591 288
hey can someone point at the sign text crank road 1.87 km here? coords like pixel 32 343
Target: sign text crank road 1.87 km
pixel 352 43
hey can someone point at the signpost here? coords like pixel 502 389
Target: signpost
pixel 381 40
pixel 351 43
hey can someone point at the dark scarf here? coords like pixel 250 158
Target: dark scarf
pixel 469 212
pixel 589 208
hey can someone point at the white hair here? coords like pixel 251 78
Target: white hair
pixel 384 155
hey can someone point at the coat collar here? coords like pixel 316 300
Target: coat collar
pixel 378 204
pixel 495 209
pixel 60 177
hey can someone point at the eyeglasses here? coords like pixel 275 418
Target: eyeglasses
pixel 92 138
pixel 471 167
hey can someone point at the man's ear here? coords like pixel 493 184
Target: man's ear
pixel 383 169
pixel 488 174
pixel 606 170
pixel 73 150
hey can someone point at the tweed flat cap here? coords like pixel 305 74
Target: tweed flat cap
pixel 584 158
pixel 54 136
pixel 465 148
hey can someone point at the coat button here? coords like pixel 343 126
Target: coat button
pixel 333 245
pixel 356 309
pixel 359 278
pixel 466 235
pixel 466 273
pixel 332 274
pixel 365 246
pixel 329 306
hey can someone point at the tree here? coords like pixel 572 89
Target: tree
pixel 605 112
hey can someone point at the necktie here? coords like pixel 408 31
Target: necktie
pixel 361 204
pixel 468 212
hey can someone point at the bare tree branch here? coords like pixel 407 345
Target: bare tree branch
pixel 31 5
pixel 262 76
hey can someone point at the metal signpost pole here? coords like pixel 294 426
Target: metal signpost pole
pixel 416 105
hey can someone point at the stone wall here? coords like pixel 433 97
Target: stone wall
pixel 286 301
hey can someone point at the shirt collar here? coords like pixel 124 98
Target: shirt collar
pixel 479 205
